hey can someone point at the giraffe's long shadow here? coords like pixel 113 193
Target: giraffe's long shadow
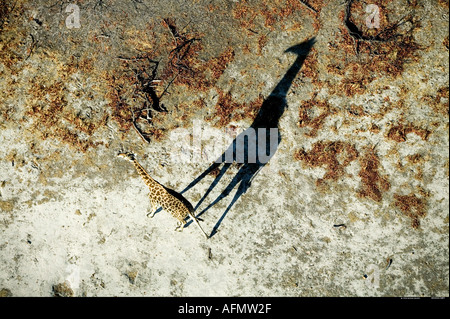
pixel 262 138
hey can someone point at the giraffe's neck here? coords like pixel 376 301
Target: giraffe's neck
pixel 150 182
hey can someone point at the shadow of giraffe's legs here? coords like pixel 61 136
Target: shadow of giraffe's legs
pixel 201 176
pixel 221 160
pixel 213 184
pixel 243 178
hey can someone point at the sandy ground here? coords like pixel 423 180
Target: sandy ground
pixel 354 202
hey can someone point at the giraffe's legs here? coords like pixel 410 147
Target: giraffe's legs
pixel 151 214
pixel 180 225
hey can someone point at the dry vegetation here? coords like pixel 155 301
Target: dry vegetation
pixel 334 156
pixel 373 184
pixel 358 56
pixel 315 123
pixel 14 47
pixel 411 206
pixel 52 117
pixel 269 14
pixel 227 109
pixel 398 132
pixel 138 86
pixel 369 52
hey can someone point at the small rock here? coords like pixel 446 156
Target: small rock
pixel 62 290
pixel 132 275
pixel 5 292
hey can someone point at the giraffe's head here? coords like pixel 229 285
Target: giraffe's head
pixel 127 155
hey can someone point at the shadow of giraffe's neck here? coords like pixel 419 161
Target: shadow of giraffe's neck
pixel 274 106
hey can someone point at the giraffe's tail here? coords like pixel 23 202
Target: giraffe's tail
pixel 191 214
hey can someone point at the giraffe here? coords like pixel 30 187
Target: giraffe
pixel 161 196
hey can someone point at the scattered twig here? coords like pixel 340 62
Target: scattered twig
pixel 33 43
pixel 145 87
pixel 309 7
pixel 131 59
pixel 389 263
pixel 182 47
pixel 167 86
pixel 140 133
pixel 133 120
pixel 209 254
pixel 99 4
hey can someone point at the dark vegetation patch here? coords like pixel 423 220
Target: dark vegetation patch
pixel 137 88
pixel 443 3
pixel 334 156
pixel 399 132
pixel 53 118
pixel 371 52
pixel 411 206
pixel 312 114
pixel 252 15
pixel 415 158
pixel 373 184
pixel 4 11
pixel 15 42
pixel 310 68
pixel 262 41
pixel 439 102
pixel 227 109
